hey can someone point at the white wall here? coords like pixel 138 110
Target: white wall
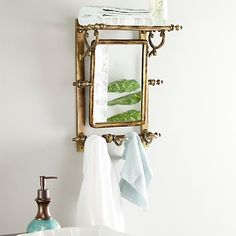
pixel 193 191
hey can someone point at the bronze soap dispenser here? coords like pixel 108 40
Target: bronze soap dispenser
pixel 43 219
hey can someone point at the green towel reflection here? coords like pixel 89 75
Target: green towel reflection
pixel 123 85
pixel 126 100
pixel 131 115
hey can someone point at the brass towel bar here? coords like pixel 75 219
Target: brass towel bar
pixel 146 138
pixel 168 28
pixel 85 83
pixel 150 30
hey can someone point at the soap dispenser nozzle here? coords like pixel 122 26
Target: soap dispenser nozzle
pixel 43 181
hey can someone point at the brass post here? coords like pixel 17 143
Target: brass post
pixel 143 36
pixel 80 92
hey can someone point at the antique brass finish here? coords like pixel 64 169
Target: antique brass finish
pixel 144 86
pixel 117 139
pixel 155 48
pixel 80 140
pixel 154 82
pixel 83 48
pixel 90 48
pixel 80 92
pixel 175 27
pixel 146 138
pixel 82 84
pixel 128 27
pixel 82 28
pixel 150 29
pixel 143 36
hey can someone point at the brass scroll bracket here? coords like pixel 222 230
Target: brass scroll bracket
pixel 82 83
pixel 163 37
pixel 146 138
pixel 90 47
pixel 154 82
pixel 155 48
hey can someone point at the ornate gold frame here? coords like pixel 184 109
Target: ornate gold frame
pixel 144 84
pixel 81 35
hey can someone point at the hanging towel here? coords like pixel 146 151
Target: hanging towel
pixel 136 173
pixel 99 200
pixel 101 84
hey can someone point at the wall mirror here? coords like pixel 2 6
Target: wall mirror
pixel 118 91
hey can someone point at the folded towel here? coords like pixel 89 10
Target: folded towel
pixel 111 11
pixel 99 200
pixel 132 21
pixel 118 16
pixel 136 173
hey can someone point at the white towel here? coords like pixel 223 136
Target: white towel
pixel 100 84
pixel 99 201
pixel 87 20
pixel 117 16
pixel 112 11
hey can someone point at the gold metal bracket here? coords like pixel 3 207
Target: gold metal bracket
pixel 146 138
pixel 163 37
pixel 90 47
pixel 82 83
pixel 117 139
pixel 155 48
pixel 80 140
pixel 154 82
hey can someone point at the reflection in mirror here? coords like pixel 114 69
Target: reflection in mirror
pixel 118 72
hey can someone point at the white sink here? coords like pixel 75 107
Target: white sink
pixel 78 231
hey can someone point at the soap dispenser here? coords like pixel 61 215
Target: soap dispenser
pixel 43 219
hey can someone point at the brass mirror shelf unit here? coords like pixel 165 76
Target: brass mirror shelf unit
pixel 146 48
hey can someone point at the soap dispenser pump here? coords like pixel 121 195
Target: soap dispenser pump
pixel 43 219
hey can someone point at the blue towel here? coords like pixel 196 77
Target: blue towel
pixel 136 173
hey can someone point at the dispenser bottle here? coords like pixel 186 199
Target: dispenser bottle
pixel 43 220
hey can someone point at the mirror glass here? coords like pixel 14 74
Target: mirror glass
pixel 118 83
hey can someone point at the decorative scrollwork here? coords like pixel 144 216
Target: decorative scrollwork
pixel 117 139
pixel 82 28
pixel 147 137
pixel 90 48
pixel 155 48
